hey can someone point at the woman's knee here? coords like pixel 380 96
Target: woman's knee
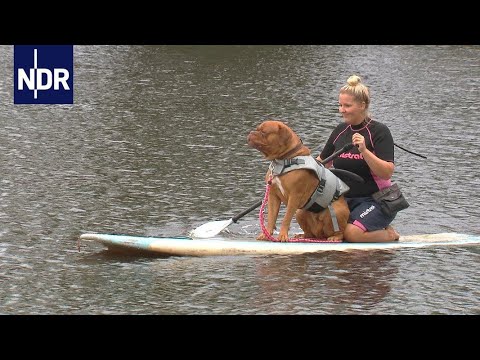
pixel 352 233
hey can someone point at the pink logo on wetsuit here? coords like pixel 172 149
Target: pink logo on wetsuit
pixel 351 156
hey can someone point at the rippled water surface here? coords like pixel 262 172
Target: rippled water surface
pixel 155 144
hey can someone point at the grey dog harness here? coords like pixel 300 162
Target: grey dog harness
pixel 329 189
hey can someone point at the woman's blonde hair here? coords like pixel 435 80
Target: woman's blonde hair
pixel 355 88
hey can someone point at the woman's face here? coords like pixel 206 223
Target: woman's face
pixel 353 112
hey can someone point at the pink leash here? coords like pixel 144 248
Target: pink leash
pixel 270 237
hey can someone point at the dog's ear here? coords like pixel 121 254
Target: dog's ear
pixel 285 132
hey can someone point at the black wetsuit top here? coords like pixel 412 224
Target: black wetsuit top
pixel 378 139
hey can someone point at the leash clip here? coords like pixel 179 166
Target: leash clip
pixel 271 167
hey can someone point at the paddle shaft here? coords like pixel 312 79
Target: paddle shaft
pixel 409 151
pixel 245 212
pixel 323 162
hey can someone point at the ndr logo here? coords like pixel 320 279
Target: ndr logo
pixel 43 74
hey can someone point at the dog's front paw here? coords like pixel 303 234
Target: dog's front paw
pixel 299 236
pixel 283 237
pixel 337 237
pixel 262 237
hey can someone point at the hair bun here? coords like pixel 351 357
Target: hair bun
pixel 354 80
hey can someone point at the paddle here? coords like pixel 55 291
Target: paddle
pixel 212 228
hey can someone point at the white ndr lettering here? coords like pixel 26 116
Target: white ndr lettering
pixel 42 78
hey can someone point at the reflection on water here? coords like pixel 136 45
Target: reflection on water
pixel 324 283
pixel 365 279
pixel 155 144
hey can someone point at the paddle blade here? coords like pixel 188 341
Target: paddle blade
pixel 210 229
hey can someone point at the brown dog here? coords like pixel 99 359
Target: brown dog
pixel 294 188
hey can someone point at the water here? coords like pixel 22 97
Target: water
pixel 155 144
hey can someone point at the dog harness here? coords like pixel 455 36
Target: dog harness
pixel 329 189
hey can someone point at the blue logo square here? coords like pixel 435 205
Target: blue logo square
pixel 43 74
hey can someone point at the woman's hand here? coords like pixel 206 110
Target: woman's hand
pixel 359 141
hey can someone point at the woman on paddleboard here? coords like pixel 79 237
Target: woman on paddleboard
pixel 372 158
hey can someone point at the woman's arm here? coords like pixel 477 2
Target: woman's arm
pixel 381 168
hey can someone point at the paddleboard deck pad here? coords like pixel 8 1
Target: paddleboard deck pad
pixel 187 246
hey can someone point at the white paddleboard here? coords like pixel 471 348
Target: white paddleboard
pixel 186 246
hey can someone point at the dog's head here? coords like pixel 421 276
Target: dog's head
pixel 275 140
